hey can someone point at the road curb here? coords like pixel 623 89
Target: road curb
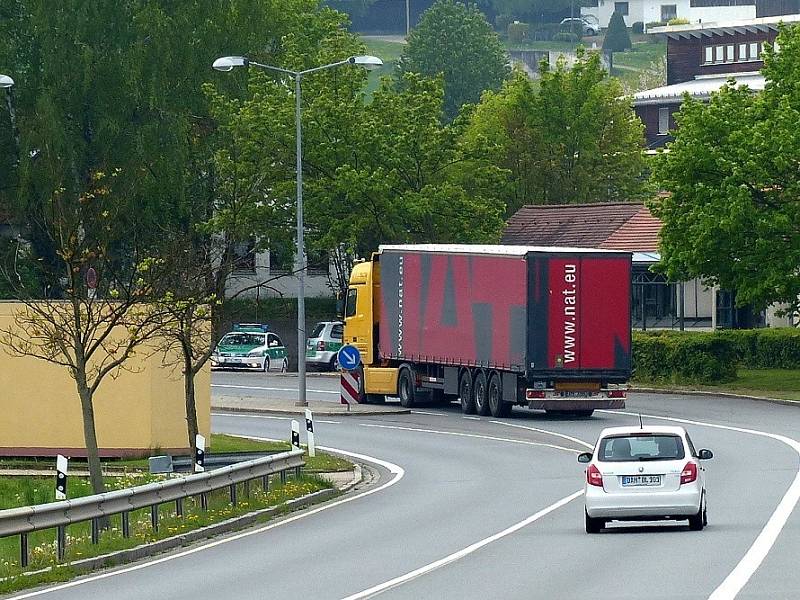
pixel 299 410
pixel 647 390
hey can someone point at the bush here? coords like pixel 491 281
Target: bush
pixel 517 32
pixel 777 348
pixel 564 36
pixel 652 24
pixel 638 27
pixel 678 21
pixel 501 22
pixel 683 357
pixel 544 31
pixel 617 38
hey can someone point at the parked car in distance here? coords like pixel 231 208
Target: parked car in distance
pixel 250 346
pixel 585 25
pixel 323 345
pixel 644 474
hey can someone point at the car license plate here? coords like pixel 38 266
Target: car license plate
pixel 640 480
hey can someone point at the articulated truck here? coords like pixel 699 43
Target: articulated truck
pixel 493 327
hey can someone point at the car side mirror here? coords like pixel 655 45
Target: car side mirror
pixel 584 457
pixel 705 454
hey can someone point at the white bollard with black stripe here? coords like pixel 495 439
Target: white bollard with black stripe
pixel 310 430
pixel 295 434
pixel 199 454
pixel 62 463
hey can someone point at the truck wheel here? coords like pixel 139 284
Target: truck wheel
pixel 465 393
pixel 481 393
pixel 497 407
pixel 405 388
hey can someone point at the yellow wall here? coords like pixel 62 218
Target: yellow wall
pixel 40 411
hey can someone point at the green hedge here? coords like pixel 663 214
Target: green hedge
pixel 683 358
pixel 766 348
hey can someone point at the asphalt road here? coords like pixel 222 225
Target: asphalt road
pixel 486 508
pixel 253 384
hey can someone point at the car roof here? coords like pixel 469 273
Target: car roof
pixel 671 429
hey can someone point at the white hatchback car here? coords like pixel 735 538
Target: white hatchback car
pixel 644 474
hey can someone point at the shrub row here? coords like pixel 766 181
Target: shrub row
pixel 683 358
pixel 766 348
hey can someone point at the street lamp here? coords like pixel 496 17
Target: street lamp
pixel 6 81
pixel 228 63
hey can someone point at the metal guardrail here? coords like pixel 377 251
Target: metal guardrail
pixel 24 520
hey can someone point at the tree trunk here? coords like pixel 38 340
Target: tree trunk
pixel 90 436
pixel 191 408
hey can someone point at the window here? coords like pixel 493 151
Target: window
pixel 709 54
pixel 350 303
pixel 281 259
pixel 318 329
pixel 754 51
pixel 622 8
pixel 729 57
pixel 646 446
pixel 719 53
pixel 669 11
pixel 742 51
pixel 244 256
pixel 273 341
pixel 337 333
pixel 663 121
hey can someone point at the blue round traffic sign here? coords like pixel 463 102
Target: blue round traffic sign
pixel 349 358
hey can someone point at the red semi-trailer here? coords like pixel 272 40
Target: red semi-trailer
pixel 493 326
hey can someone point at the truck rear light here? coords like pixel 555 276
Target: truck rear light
pixel 616 393
pixel 689 473
pixel 593 476
pixel 535 394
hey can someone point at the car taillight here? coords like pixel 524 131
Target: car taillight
pixel 593 476
pixel 689 473
pixel 320 345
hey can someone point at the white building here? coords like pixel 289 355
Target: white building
pixel 661 11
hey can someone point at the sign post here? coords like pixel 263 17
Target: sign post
pixel 310 429
pixel 199 454
pixel 349 360
pixel 295 434
pixel 61 477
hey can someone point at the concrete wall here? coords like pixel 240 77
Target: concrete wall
pixel 139 410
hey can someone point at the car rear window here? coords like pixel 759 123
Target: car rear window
pixel 337 332
pixel 641 447
pixel 318 329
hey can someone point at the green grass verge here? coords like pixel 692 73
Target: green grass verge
pixel 783 384
pixel 43 548
pixel 219 443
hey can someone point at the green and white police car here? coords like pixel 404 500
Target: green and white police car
pixel 250 346
pixel 323 344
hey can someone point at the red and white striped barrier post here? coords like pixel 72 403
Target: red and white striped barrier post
pixel 349 393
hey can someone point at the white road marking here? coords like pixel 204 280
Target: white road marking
pixel 396 470
pixel 763 543
pixel 472 418
pixel 246 416
pixel 471 435
pixel 268 389
pixel 561 435
pixel 382 587
pixel 433 414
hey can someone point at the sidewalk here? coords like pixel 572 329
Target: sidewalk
pixel 287 407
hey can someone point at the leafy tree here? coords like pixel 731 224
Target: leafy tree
pixel 574 139
pixel 91 333
pixel 617 38
pixel 732 211
pixel 455 41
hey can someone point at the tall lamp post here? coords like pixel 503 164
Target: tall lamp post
pixel 228 63
pixel 7 83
